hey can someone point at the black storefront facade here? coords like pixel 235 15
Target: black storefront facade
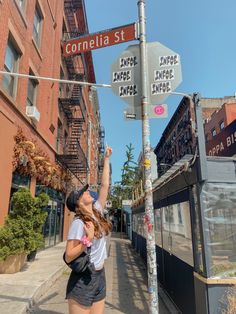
pixel 195 228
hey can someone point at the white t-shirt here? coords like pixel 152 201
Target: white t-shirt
pixel 98 249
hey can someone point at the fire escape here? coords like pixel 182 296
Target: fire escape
pixel 73 106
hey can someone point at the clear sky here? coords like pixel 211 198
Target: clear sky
pixel 203 34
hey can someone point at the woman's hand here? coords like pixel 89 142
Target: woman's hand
pixel 108 151
pixel 89 229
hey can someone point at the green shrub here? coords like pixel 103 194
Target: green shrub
pixel 22 231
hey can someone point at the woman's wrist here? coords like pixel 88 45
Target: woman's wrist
pixel 86 241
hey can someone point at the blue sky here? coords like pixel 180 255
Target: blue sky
pixel 203 34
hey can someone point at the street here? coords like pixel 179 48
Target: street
pixel 126 285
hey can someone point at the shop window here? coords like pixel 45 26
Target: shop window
pixel 53 226
pixel 220 217
pixel 18 181
pixel 37 30
pixel 11 65
pixel 176 231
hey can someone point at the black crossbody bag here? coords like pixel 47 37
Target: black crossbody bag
pixel 81 263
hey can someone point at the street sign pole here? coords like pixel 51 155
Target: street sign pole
pixel 149 212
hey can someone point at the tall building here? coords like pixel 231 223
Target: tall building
pixel 178 138
pixel 51 133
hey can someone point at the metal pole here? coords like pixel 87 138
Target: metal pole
pixel 34 77
pixel 149 212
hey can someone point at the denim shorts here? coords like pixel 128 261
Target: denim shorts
pixel 86 288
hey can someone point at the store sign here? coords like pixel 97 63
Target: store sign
pixel 101 39
pixel 224 143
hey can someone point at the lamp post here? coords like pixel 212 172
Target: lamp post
pixel 149 211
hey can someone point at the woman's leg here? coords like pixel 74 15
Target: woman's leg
pixel 98 307
pixel 76 308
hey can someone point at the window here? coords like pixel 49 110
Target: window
pixel 213 132
pixel 21 4
pixel 37 26
pixel 222 125
pixel 179 214
pixel 10 65
pixel 32 88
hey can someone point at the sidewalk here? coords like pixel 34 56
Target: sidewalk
pixel 126 282
pixel 19 291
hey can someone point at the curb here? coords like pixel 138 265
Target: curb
pixel 46 285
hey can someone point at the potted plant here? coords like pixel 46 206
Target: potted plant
pixel 22 232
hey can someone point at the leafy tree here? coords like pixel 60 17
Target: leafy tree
pixel 123 189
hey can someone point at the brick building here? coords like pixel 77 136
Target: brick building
pixel 220 131
pixel 178 138
pixel 51 133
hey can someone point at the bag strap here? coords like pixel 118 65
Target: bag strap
pixel 89 250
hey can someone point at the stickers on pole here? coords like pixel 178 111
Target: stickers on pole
pixel 135 113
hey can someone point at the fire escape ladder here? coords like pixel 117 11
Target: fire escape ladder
pixel 73 156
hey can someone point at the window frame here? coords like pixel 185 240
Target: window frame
pixel 213 132
pixel 23 6
pixel 12 91
pixel 37 33
pixel 35 83
pixel 220 124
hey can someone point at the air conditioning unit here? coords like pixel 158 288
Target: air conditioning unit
pixel 33 113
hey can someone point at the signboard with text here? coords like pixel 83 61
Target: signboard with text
pixel 101 39
pixel 125 76
pixel 164 75
pixel 164 70
pixel 224 143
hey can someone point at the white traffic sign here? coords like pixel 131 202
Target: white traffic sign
pixel 135 113
pixel 125 76
pixel 164 74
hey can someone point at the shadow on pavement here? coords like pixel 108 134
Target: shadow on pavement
pixel 131 279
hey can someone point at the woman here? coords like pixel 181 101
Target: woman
pixel 85 291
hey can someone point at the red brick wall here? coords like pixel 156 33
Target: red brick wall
pixel 227 114
pixel 44 61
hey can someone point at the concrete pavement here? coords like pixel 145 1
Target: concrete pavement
pixel 40 286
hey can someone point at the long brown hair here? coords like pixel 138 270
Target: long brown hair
pixel 101 225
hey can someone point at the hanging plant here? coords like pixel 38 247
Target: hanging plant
pixel 29 160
